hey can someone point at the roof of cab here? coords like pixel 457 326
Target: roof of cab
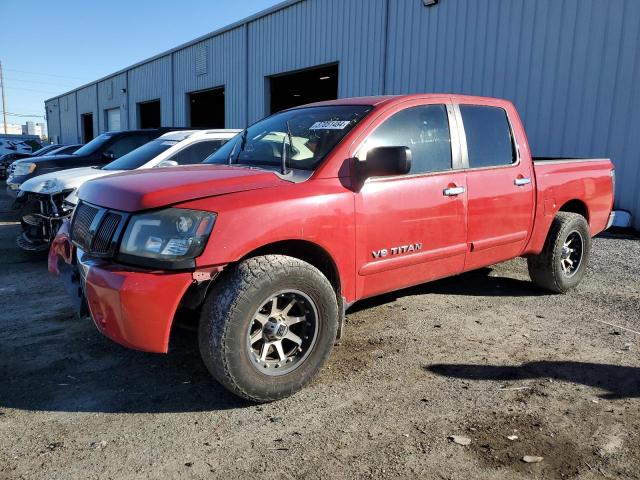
pixel 380 100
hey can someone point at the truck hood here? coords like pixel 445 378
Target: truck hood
pixel 145 189
pixel 59 181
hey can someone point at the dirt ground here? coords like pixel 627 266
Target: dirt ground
pixel 484 355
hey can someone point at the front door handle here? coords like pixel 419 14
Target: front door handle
pixel 453 191
pixel 522 181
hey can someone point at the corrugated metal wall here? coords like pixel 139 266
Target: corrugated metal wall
pixel 222 63
pixel 314 33
pixel 151 81
pixel 53 119
pixel 111 95
pixel 572 67
pixel 87 103
pixel 68 119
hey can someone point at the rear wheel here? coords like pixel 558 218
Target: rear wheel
pixel 563 261
pixel 268 327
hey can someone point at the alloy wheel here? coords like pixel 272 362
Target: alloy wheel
pixel 571 255
pixel 282 332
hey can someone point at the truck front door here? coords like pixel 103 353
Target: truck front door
pixel 500 186
pixel 412 228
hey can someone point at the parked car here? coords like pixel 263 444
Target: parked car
pixel 268 248
pixel 101 150
pixel 8 158
pixel 65 149
pixel 8 145
pixel 46 149
pixel 54 195
pixel 41 151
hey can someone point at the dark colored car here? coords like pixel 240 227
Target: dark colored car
pixel 65 150
pixel 101 150
pixel 8 158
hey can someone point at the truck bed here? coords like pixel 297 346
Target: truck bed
pixel 581 185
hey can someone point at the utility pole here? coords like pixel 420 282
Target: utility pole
pixel 4 105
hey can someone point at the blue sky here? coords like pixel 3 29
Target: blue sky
pixel 49 47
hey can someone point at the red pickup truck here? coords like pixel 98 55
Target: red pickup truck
pixel 317 207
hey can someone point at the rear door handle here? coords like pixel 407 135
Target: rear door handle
pixel 453 191
pixel 522 181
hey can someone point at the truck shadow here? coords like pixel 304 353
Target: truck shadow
pixel 618 381
pixel 475 283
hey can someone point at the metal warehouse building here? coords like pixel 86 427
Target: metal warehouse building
pixel 572 67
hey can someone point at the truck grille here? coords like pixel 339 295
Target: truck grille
pixel 94 228
pixel 107 229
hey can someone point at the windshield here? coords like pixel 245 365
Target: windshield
pixel 141 155
pixel 315 131
pixel 45 149
pixel 93 145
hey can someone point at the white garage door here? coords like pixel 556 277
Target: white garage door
pixel 113 120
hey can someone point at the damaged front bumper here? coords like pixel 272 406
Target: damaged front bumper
pixel 133 308
pixel 61 262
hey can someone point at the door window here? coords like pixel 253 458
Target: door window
pixel 124 145
pixel 425 130
pixel 489 141
pixel 197 152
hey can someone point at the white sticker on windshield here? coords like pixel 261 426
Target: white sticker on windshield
pixel 330 125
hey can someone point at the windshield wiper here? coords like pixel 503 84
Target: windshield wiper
pixel 284 169
pixel 243 142
pixel 231 153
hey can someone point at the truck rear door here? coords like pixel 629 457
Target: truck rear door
pixel 499 182
pixel 412 228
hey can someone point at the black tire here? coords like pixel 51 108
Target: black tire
pixel 546 269
pixel 229 311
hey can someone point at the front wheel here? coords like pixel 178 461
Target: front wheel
pixel 563 260
pixel 268 327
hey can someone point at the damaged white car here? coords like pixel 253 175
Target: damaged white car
pixel 48 199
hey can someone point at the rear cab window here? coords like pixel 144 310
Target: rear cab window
pixel 489 136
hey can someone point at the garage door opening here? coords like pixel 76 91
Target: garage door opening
pixel 306 86
pixel 87 127
pixel 149 114
pixel 207 108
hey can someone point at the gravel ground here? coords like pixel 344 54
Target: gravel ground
pixel 484 355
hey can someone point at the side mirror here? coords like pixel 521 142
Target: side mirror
pixel 108 156
pixel 167 163
pixel 385 161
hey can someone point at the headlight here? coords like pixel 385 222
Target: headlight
pixel 24 169
pixel 169 238
pixel 49 187
pixel 71 200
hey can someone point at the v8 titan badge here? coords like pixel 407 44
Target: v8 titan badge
pixel 414 247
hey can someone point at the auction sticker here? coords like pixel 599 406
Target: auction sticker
pixel 330 125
